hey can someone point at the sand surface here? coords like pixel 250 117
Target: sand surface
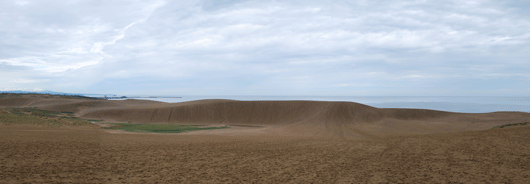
pixel 268 142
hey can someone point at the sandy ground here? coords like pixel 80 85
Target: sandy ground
pixel 304 142
pixel 37 155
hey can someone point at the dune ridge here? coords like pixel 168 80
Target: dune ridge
pixel 304 118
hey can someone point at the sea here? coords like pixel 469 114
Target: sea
pixel 464 104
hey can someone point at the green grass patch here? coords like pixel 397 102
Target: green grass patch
pixel 35 112
pixel 35 116
pixel 513 124
pixel 158 128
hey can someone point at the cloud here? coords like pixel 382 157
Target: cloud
pixel 25 80
pixel 269 47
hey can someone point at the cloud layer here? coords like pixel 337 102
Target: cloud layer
pixel 267 47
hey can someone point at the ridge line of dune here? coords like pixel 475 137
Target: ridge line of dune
pixel 304 117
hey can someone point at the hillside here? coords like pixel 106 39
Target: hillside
pixel 303 118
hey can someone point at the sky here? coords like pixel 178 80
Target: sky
pixel 240 47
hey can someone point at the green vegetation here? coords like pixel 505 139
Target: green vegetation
pixel 158 128
pixel 513 124
pixel 33 111
pixel 35 116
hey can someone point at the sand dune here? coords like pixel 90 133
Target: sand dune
pixel 268 142
pixel 312 118
pixel 302 118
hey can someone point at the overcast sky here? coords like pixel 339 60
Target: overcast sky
pixel 222 47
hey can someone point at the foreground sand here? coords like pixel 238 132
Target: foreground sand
pixel 43 155
pixel 279 142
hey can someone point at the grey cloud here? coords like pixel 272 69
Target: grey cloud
pixel 44 27
pixel 295 46
pixel 215 5
pixel 10 68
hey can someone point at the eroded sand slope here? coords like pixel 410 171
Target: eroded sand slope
pixel 281 118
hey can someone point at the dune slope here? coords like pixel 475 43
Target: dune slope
pixel 304 118
pixel 312 118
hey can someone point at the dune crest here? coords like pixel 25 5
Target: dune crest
pixel 304 118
